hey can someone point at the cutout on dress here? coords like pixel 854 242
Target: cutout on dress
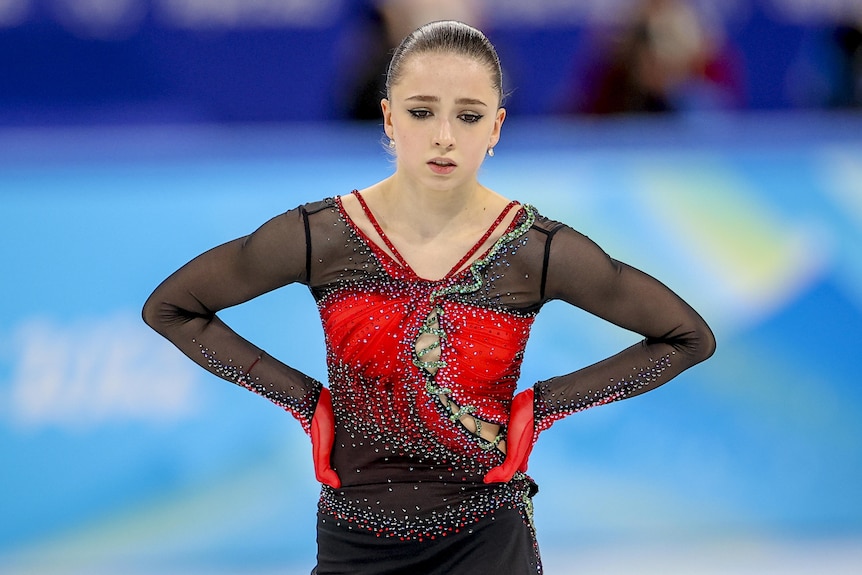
pixel 428 355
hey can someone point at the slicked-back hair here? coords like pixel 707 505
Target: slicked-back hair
pixel 446 36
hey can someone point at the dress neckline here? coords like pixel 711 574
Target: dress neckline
pixel 393 252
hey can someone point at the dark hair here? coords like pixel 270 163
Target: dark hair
pixel 446 36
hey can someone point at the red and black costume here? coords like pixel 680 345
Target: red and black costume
pixel 411 492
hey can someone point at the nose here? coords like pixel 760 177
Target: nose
pixel 444 137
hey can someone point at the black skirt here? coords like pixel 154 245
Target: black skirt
pixel 501 543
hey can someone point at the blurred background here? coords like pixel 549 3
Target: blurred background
pixel 716 145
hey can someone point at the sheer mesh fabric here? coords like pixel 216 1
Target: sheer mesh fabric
pixel 408 469
pixel 183 309
pixel 675 336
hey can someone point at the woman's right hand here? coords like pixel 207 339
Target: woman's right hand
pixel 322 438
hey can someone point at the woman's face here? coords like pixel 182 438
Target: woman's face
pixel 443 116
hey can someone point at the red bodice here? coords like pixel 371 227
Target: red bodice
pixel 371 330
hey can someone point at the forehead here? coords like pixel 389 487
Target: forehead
pixel 432 73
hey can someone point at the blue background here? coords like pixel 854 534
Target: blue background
pixel 120 456
pixel 120 61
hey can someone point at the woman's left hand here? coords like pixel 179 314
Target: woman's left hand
pixel 520 431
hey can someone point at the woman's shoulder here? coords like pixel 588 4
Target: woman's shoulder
pixel 314 206
pixel 544 223
pixel 310 214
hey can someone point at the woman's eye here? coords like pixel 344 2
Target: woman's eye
pixel 470 118
pixel 420 113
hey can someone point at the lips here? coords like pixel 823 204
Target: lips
pixel 442 165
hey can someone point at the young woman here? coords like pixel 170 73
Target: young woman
pixel 427 284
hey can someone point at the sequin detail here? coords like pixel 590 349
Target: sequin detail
pixel 446 520
pixel 457 412
pixel 411 361
pixel 555 405
pixel 301 405
pixel 476 267
pixel 409 467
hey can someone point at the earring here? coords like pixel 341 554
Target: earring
pixel 491 152
pixel 391 144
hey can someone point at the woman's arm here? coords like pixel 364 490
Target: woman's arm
pixel 183 309
pixel 675 336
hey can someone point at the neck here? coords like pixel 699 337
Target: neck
pixel 426 212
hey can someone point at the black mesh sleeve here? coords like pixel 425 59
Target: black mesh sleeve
pixel 183 309
pixel 675 336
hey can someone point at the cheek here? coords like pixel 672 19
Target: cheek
pixel 480 143
pixel 406 142
pixel 409 149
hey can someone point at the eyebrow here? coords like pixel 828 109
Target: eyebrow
pixel 459 101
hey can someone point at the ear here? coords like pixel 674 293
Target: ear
pixel 387 118
pixel 498 125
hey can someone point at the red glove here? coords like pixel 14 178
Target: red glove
pixel 322 438
pixel 519 440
